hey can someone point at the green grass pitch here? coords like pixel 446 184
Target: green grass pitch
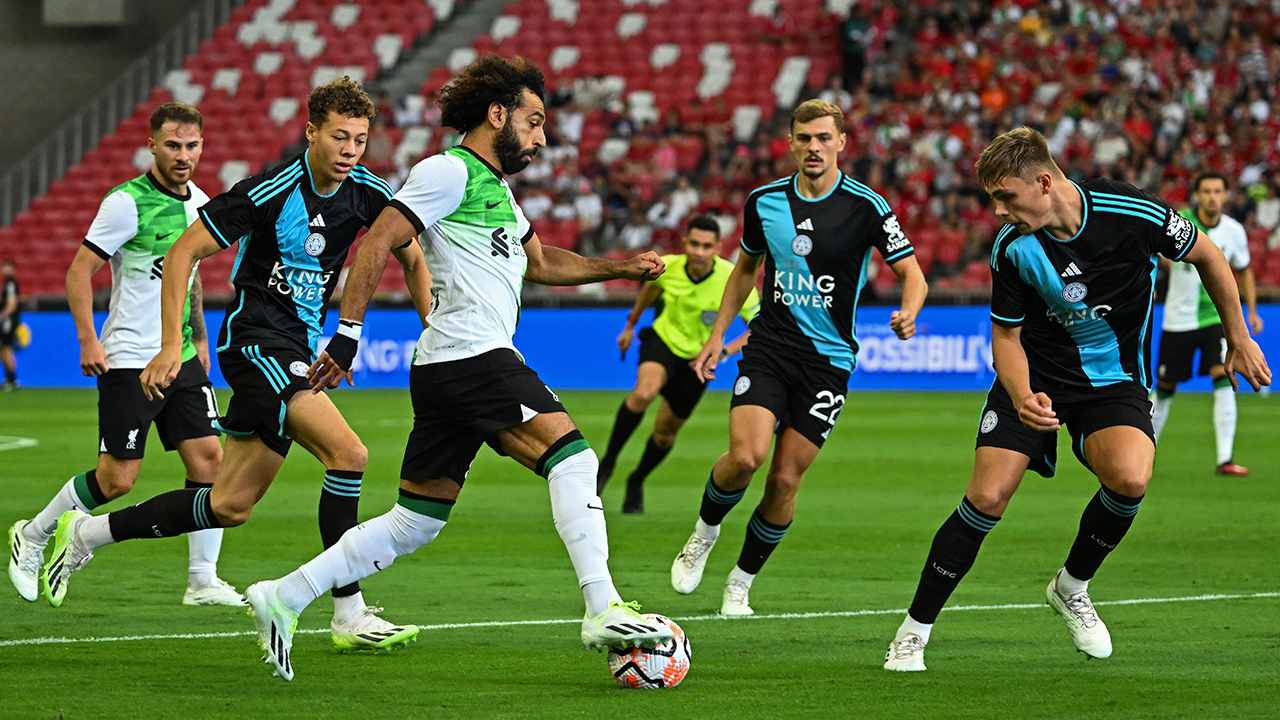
pixel 894 468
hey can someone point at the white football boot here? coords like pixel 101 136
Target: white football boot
pixel 276 625
pixel 906 653
pixel 68 556
pixel 217 592
pixel 620 626
pixel 735 602
pixel 1087 629
pixel 686 571
pixel 368 632
pixel 25 559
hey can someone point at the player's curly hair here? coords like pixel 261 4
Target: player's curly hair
pixel 343 96
pixel 180 113
pixel 1020 153
pixel 464 102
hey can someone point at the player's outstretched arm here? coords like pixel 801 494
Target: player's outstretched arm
pixel 1249 291
pixel 1035 410
pixel 391 230
pixel 648 296
pixel 93 359
pixel 555 266
pixel 1243 354
pixel 417 276
pixel 914 291
pixel 196 244
pixel 736 289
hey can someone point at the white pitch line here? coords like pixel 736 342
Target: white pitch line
pixel 775 616
pixel 11 442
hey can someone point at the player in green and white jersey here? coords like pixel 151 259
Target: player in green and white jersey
pixel 1191 321
pixel 136 224
pixel 468 384
pixel 690 291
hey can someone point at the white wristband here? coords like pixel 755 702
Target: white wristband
pixel 350 328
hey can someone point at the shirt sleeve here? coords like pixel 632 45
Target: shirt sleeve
pixel 1237 251
pixel 753 241
pixel 231 215
pixel 1007 290
pixel 115 224
pixel 889 239
pixel 751 307
pixel 1172 236
pixel 433 190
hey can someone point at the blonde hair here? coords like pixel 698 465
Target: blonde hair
pixel 811 110
pixel 1018 153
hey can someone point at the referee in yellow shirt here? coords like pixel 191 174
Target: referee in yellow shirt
pixel 690 290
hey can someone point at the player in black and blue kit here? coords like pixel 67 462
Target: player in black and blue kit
pixel 1073 272
pixel 294 227
pixel 814 232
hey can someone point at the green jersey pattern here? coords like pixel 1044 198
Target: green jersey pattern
pixel 473 245
pixel 136 225
pixel 689 308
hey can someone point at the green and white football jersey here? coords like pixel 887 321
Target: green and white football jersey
pixel 472 234
pixel 136 225
pixel 1187 306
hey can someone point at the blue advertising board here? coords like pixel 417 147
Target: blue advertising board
pixel 576 349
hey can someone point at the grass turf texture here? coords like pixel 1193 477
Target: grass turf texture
pixel 894 468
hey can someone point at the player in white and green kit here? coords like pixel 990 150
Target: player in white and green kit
pixel 468 384
pixel 1191 322
pixel 690 291
pixel 135 226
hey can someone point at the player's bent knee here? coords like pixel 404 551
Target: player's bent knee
pixel 747 459
pixel 231 514
pixel 664 440
pixel 989 502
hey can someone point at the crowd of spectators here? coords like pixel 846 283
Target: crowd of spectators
pixel 1148 92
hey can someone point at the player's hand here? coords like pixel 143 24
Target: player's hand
pixel 160 372
pixel 325 373
pixel 93 359
pixel 705 362
pixel 624 340
pixel 646 266
pixel 903 323
pixel 1255 323
pixel 1247 359
pixel 1037 413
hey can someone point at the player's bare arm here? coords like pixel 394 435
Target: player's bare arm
pixel 196 244
pixel 93 358
pixel 199 333
pixel 647 297
pixel 417 276
pixel 1243 354
pixel 736 290
pixel 914 291
pixel 1249 291
pixel 1035 410
pixel 554 266
pixel 390 231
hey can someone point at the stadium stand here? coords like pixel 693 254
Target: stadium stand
pixel 662 108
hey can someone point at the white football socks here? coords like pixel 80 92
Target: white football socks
pixel 910 625
pixel 741 576
pixel 1159 412
pixel 42 527
pixel 1069 585
pixel 1224 421
pixel 579 518
pixel 711 532
pixel 94 532
pixel 203 548
pixel 363 550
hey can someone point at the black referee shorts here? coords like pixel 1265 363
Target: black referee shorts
pixel 1083 412
pixel 683 389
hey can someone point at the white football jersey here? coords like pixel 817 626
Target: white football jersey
pixel 1187 306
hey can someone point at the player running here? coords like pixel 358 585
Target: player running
pixel 690 291
pixel 135 226
pixel 1073 272
pixel 1191 322
pixel 468 384
pixel 813 232
pixel 294 226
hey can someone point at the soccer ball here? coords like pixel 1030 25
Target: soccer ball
pixel 652 668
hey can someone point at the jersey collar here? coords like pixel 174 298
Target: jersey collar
pixel 795 187
pixel 484 162
pixel 166 191
pixel 306 163
pixel 1084 219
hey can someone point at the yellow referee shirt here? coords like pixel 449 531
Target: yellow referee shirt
pixel 689 308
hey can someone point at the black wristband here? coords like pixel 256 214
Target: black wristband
pixel 342 350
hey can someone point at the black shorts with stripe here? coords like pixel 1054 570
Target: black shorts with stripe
pixel 804 392
pixel 1083 412
pixel 458 406
pixel 1178 350
pixel 262 381
pixel 186 412
pixel 683 389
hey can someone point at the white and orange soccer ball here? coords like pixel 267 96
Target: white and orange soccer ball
pixel 651 668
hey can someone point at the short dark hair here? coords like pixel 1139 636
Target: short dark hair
pixel 704 222
pixel 1209 175
pixel 181 113
pixel 340 95
pixel 464 102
